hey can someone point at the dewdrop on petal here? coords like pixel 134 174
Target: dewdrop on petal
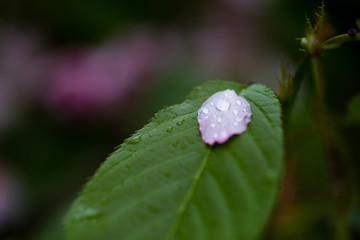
pixel 223 115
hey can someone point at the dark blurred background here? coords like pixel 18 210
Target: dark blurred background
pixel 78 77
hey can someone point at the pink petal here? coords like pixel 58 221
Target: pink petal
pixel 223 115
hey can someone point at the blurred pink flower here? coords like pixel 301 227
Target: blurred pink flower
pixel 227 44
pixel 21 71
pixel 231 44
pixel 249 5
pixel 84 81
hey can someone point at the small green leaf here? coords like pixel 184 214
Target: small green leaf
pixel 167 184
pixel 339 40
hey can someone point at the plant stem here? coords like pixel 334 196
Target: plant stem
pixel 336 154
pixel 318 77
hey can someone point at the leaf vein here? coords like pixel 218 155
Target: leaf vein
pixel 185 205
pixel 262 111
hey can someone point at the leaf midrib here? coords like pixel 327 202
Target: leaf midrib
pixel 186 203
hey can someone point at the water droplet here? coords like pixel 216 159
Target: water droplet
pixel 215 135
pixel 214 116
pixel 179 123
pixel 88 213
pixel 213 125
pixel 238 119
pixel 205 110
pixel 212 104
pixel 134 140
pixel 236 123
pixel 219 120
pixel 222 105
pixel 238 102
pixel 235 111
pixel 169 129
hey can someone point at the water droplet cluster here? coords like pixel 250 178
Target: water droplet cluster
pixel 223 115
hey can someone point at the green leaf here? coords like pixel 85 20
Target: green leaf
pixel 165 183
